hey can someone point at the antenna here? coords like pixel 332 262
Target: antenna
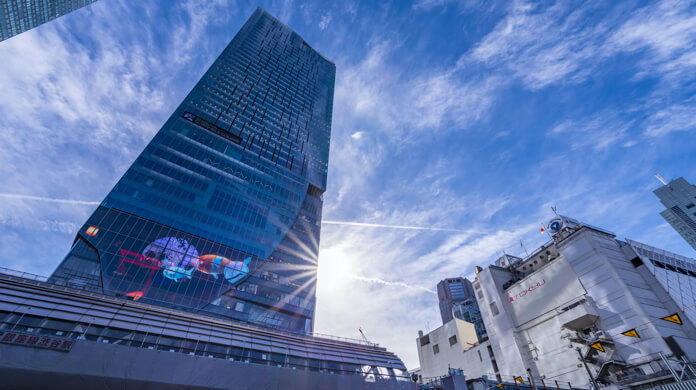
pixel 363 335
pixel 660 179
pixel 525 248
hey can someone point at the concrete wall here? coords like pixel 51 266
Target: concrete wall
pixel 458 355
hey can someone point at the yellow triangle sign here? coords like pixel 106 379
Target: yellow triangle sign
pixel 631 333
pixel 598 346
pixel 519 379
pixel 673 318
pixel 499 385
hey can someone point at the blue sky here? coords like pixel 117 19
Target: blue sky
pixel 475 116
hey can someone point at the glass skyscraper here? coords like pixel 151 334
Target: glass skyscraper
pixel 679 198
pixel 221 212
pixel 676 274
pixel 18 16
pixel 468 310
pixel 451 291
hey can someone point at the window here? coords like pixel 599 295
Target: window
pixel 480 294
pixel 425 340
pixel 690 206
pixel 494 309
pixel 239 306
pixel 480 357
pixel 436 349
pixel 453 340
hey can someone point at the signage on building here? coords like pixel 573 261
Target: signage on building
pixel 531 287
pixel 555 225
pixel 550 287
pixel 39 341
pixel 211 127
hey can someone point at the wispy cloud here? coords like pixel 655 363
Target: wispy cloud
pixel 376 225
pixel 45 199
pixel 391 284
pixel 324 22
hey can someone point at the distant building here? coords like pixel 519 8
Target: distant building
pixel 587 290
pixel 679 198
pixel 451 291
pixel 454 345
pixel 18 16
pixel 468 311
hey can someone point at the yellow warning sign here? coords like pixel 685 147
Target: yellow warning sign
pixel 631 333
pixel 519 379
pixel 499 385
pixel 598 346
pixel 673 318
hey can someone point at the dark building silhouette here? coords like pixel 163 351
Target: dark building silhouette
pixel 18 16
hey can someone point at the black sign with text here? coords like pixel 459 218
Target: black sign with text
pixel 212 127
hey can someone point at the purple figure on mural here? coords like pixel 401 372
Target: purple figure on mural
pixel 177 257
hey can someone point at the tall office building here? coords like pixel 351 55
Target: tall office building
pixel 18 16
pixel 451 291
pixel 679 198
pixel 212 231
pixel 220 214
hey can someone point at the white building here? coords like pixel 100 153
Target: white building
pixel 581 288
pixel 453 345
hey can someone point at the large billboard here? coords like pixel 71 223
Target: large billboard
pixel 142 259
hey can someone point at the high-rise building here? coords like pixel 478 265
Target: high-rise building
pixel 679 198
pixel 451 291
pixel 18 16
pixel 198 268
pixel 221 212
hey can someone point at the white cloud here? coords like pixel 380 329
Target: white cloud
pixel 45 199
pixel 678 117
pixel 600 131
pixel 324 23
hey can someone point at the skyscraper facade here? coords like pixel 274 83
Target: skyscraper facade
pixel 676 274
pixel 221 211
pixel 679 198
pixel 469 311
pixel 18 16
pixel 451 291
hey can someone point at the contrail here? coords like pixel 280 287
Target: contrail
pixel 387 283
pixel 397 226
pixel 343 223
pixel 44 199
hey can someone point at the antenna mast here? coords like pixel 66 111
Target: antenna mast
pixel 660 179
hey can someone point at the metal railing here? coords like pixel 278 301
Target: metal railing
pixel 166 306
pixel 81 332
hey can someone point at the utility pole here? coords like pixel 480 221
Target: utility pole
pixel 594 383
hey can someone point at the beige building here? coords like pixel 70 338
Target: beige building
pixel 453 345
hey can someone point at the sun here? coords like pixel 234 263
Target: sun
pixel 335 268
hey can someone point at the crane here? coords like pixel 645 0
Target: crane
pixel 362 334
